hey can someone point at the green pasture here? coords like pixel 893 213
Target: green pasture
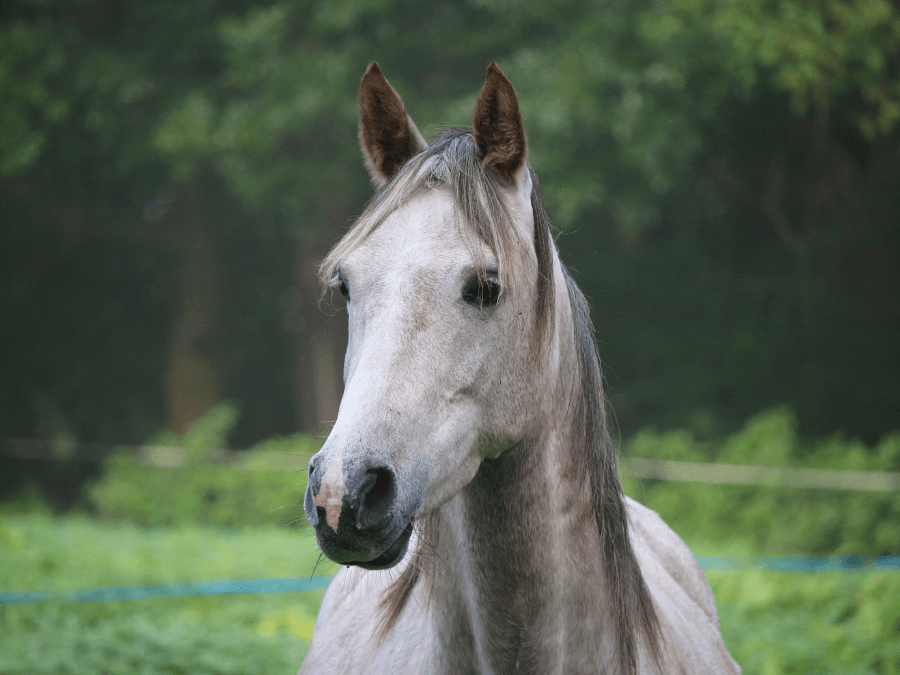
pixel 265 633
pixel 771 622
pixel 212 520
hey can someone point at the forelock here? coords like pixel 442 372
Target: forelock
pixel 451 163
pixel 481 215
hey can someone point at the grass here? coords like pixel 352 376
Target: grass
pixel 773 623
pixel 265 633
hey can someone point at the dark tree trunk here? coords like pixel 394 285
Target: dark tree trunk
pixel 193 380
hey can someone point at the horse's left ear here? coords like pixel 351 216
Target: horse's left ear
pixel 387 134
pixel 497 125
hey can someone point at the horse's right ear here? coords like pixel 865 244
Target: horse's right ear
pixel 387 134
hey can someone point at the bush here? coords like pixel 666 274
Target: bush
pixel 210 495
pixel 774 519
pixel 810 624
pixel 205 492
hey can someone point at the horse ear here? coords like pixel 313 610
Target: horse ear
pixel 387 135
pixel 497 124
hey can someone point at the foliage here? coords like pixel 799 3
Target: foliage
pixel 265 633
pixel 774 520
pixel 815 51
pixel 773 623
pixel 207 436
pixel 725 174
pixel 30 61
pixel 810 624
pixel 204 491
pixel 212 495
pixel 135 644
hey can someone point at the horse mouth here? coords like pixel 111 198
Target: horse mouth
pixel 391 556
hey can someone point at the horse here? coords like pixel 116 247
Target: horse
pixel 469 487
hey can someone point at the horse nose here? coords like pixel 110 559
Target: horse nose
pixel 361 495
pixel 375 496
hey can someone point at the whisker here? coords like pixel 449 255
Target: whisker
pixel 313 573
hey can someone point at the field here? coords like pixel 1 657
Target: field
pixel 266 633
pixel 772 622
pixel 208 522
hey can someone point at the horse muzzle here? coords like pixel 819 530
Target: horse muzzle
pixel 361 513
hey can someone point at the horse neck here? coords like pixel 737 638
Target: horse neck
pixel 519 550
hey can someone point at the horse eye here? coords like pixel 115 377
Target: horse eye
pixel 482 292
pixel 341 284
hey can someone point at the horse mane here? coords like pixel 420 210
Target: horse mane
pixel 452 161
pixel 595 452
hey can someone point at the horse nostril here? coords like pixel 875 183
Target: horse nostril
pixel 376 497
pixel 313 466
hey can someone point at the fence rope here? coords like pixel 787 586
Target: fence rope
pixel 297 584
pixel 661 469
pixel 231 587
pixel 772 476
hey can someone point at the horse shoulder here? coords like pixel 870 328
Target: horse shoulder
pixel 681 595
pixel 660 541
pixel 346 637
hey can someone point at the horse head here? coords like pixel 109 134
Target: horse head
pixel 446 301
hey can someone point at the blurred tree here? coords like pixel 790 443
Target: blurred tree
pixel 89 86
pixel 730 171
pixel 725 174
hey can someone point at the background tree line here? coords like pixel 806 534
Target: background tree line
pixel 725 176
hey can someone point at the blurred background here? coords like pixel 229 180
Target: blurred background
pixel 725 179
